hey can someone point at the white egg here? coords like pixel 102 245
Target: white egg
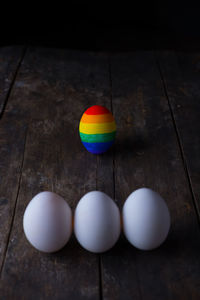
pixel 97 222
pixel 48 222
pixel 146 219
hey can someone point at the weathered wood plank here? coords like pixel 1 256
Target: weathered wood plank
pixel 181 76
pixel 49 96
pixel 147 154
pixel 106 183
pixel 10 58
pixel 11 149
pixel 51 92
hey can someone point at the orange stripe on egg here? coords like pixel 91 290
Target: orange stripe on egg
pixel 106 118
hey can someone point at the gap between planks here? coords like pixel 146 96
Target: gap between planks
pixel 111 105
pixel 100 267
pixel 24 50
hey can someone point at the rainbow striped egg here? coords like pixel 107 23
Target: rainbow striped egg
pixel 97 129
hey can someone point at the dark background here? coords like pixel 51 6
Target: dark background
pixel 101 25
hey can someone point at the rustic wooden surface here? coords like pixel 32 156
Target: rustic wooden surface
pixel 154 99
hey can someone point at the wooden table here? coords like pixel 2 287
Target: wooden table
pixel 155 99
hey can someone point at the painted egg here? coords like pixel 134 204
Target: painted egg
pixel 97 129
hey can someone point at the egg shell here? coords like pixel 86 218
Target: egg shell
pixel 146 219
pixel 47 222
pixel 97 222
pixel 97 129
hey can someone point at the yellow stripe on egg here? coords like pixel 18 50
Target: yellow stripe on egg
pixel 95 128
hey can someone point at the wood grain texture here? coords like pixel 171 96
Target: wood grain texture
pixel 147 154
pixel 41 150
pixel 51 92
pixel 12 139
pixel 181 76
pixel 10 58
pixel 11 153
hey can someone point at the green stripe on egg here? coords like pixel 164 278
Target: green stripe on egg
pixel 97 138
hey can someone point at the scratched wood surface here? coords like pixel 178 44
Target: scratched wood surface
pixel 154 99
